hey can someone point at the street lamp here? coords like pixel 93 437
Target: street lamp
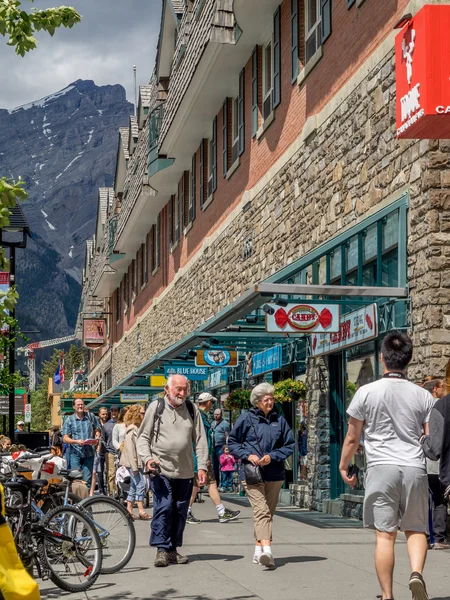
pixel 13 236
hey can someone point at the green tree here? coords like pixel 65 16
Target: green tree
pixel 74 358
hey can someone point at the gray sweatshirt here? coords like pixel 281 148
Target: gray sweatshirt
pixel 174 447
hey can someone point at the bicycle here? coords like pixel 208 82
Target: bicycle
pixel 63 544
pixel 112 521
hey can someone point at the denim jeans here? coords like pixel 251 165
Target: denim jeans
pixel 227 479
pixel 85 463
pixel 137 486
pixel 170 506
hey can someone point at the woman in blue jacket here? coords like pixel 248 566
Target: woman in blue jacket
pixel 263 438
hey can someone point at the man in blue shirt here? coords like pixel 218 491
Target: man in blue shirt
pixel 78 428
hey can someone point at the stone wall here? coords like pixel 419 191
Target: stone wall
pixel 345 170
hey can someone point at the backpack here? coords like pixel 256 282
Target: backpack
pixel 158 417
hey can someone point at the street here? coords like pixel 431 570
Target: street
pixel 314 562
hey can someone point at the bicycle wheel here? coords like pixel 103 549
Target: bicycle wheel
pixel 115 528
pixel 57 499
pixel 74 560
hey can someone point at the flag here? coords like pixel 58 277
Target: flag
pixel 57 375
pixel 62 369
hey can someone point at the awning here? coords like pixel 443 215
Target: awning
pixel 235 326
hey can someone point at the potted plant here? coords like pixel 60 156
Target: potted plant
pixel 289 389
pixel 238 399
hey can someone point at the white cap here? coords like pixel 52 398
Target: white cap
pixel 206 397
pixel 20 423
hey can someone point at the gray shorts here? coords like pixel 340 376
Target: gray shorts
pixel 396 498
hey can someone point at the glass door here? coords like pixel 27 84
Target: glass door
pixel 337 421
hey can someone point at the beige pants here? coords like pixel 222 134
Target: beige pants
pixel 111 474
pixel 264 499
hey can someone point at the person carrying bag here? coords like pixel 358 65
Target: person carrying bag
pixel 262 439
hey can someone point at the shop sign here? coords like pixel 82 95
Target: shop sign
pixel 218 378
pixel 269 360
pixel 356 327
pixel 303 318
pixel 19 404
pixel 94 332
pixel 133 398
pixel 4 278
pixel 216 358
pixel 192 373
pixel 422 63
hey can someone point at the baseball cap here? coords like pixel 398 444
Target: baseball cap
pixel 115 407
pixel 206 397
pixel 20 423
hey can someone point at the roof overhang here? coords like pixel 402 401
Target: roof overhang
pixel 257 339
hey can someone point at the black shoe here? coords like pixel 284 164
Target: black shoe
pixel 162 559
pixel 418 587
pixel 229 515
pixel 192 520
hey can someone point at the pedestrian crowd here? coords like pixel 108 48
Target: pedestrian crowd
pixel 173 450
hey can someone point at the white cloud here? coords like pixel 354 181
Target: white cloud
pixel 112 37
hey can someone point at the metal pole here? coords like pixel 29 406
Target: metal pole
pixel 12 347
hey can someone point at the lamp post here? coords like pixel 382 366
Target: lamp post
pixel 13 236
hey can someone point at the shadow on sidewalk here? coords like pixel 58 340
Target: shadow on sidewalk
pixel 281 562
pixel 224 557
pixel 170 594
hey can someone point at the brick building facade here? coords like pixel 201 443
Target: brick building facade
pixel 266 139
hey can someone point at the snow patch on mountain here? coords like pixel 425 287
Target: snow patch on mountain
pixel 43 101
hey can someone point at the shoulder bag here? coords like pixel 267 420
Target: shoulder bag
pixel 253 473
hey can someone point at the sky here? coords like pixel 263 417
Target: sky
pixel 113 36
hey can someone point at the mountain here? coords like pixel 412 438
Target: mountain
pixel 64 146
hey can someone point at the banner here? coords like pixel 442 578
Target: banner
pixel 269 360
pixel 216 358
pixel 356 327
pixel 303 318
pixel 133 398
pixel 192 373
pixel 94 332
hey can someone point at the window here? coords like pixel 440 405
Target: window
pixel 212 160
pixel 156 244
pixel 312 27
pixel 225 137
pixel 317 25
pixel 126 292
pixel 235 122
pixel 118 299
pixel 241 112
pixel 146 249
pixel 153 248
pixel 295 66
pixel 255 100
pixel 192 189
pixel 176 216
pixel 142 265
pixel 267 80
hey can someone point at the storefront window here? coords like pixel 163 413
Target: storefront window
pixel 360 371
pixel 336 263
pixel 370 243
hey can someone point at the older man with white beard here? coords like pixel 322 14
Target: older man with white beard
pixel 171 429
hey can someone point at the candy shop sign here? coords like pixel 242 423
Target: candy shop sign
pixel 356 327
pixel 303 318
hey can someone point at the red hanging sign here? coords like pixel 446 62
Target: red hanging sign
pixel 422 63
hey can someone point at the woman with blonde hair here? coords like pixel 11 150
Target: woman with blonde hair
pixel 119 430
pixel 130 459
pixel 263 440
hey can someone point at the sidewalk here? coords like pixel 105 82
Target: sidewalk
pixel 314 562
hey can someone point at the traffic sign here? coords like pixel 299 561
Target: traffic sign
pixel 27 413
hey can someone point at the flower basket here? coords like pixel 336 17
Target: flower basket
pixel 238 399
pixel 289 389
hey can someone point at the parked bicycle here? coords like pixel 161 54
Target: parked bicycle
pixel 63 545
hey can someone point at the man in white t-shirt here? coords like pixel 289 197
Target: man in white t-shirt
pixel 393 413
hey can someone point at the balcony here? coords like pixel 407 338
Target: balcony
pixel 108 277
pixel 221 40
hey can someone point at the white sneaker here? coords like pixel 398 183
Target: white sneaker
pixel 256 559
pixel 266 560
